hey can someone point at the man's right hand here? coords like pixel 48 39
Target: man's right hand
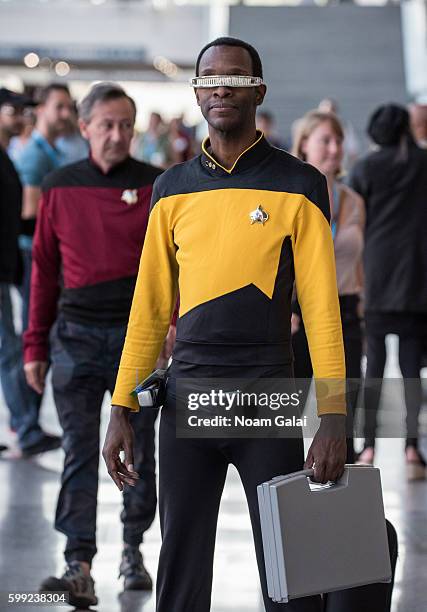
pixel 120 437
pixel 35 373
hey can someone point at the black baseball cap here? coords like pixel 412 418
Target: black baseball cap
pixel 14 99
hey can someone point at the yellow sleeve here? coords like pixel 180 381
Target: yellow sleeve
pixel 316 286
pixel 152 306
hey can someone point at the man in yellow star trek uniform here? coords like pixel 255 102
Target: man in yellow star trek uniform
pixel 231 230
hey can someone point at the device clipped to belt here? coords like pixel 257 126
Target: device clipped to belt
pixel 150 393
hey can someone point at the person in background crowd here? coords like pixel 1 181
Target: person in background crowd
pixel 19 142
pixel 10 214
pixel 37 159
pixel 418 118
pixel 393 183
pixel 71 144
pixel 152 146
pixel 266 124
pixel 90 231
pixel 12 107
pixel 179 142
pixel 22 402
pixel 187 130
pixel 351 142
pixel 320 142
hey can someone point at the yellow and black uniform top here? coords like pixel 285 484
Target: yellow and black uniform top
pixel 232 242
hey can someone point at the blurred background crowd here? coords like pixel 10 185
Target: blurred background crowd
pixel 165 142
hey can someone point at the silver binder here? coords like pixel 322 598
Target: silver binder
pixel 319 539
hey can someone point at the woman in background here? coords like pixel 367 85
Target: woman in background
pixel 319 141
pixel 393 183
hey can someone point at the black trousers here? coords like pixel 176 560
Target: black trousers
pixel 371 597
pixel 192 476
pixel 85 361
pixel 410 360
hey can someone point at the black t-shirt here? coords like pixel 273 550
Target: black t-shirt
pixel 10 216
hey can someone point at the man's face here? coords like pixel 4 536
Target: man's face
pixel 109 131
pixel 11 119
pixel 56 111
pixel 228 109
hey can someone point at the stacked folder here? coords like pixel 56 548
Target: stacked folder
pixel 322 538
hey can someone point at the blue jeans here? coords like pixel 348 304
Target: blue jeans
pixel 85 361
pixel 22 401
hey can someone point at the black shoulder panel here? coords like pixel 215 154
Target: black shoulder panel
pixel 276 171
pixel 130 174
pixel 70 175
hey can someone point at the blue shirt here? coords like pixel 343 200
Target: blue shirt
pixel 72 148
pixel 36 160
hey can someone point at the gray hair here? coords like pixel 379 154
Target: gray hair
pixel 102 92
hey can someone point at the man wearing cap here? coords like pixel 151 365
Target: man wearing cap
pixel 22 401
pixel 11 115
pixel 231 229
pixel 90 231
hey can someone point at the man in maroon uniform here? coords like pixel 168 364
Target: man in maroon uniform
pixel 90 231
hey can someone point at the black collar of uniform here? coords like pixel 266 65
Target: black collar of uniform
pixel 247 159
pixel 117 168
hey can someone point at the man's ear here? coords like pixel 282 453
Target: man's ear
pixel 196 93
pixel 261 90
pixel 83 129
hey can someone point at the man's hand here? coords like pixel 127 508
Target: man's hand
pixel 120 437
pixel 35 373
pixel 328 451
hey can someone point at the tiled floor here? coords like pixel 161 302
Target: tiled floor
pixel 30 549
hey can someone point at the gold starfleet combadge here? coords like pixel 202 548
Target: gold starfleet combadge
pixel 259 215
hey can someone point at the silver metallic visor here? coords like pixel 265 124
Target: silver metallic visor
pixel 226 80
